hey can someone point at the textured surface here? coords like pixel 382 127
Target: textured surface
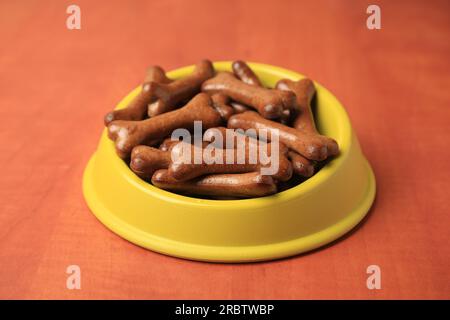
pixel 56 85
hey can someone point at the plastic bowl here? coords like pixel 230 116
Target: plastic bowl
pixel 297 220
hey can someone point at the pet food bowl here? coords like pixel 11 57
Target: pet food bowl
pixel 296 220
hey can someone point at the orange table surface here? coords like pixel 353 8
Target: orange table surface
pixel 56 84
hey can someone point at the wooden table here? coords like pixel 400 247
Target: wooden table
pixel 56 84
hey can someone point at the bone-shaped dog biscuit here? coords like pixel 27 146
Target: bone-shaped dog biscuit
pixel 239 107
pixel 255 138
pixel 167 96
pixel 222 137
pixel 304 90
pixel 167 143
pixel 228 161
pixel 128 134
pixel 268 102
pixel 300 165
pixel 245 74
pixel 221 104
pixel 137 108
pixel 241 185
pixel 146 160
pixel 156 74
pixel 311 146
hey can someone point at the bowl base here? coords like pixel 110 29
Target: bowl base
pixel 225 254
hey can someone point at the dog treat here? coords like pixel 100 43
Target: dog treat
pixel 254 141
pixel 241 185
pixel 300 165
pixel 217 137
pixel 245 74
pixel 137 108
pixel 239 107
pixel 242 71
pixel 167 144
pixel 229 161
pixel 311 146
pixel 146 160
pixel 221 104
pixel 156 74
pixel 128 134
pixel 211 133
pixel 268 102
pixel 304 91
pixel 167 96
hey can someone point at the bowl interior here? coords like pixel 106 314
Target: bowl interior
pixel 330 117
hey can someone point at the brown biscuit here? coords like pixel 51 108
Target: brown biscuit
pixel 146 160
pixel 304 121
pixel 167 96
pixel 311 146
pixel 128 134
pixel 229 161
pixel 156 74
pixel 229 137
pixel 137 108
pixel 268 102
pixel 245 73
pixel 212 134
pixel 241 185
pixel 239 107
pixel 300 165
pixel 304 90
pixel 249 138
pixel 167 143
pixel 221 104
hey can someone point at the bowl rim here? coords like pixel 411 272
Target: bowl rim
pixel 344 140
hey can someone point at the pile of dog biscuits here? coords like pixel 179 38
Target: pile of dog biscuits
pixel 275 124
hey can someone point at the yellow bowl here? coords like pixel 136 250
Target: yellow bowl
pixel 299 219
